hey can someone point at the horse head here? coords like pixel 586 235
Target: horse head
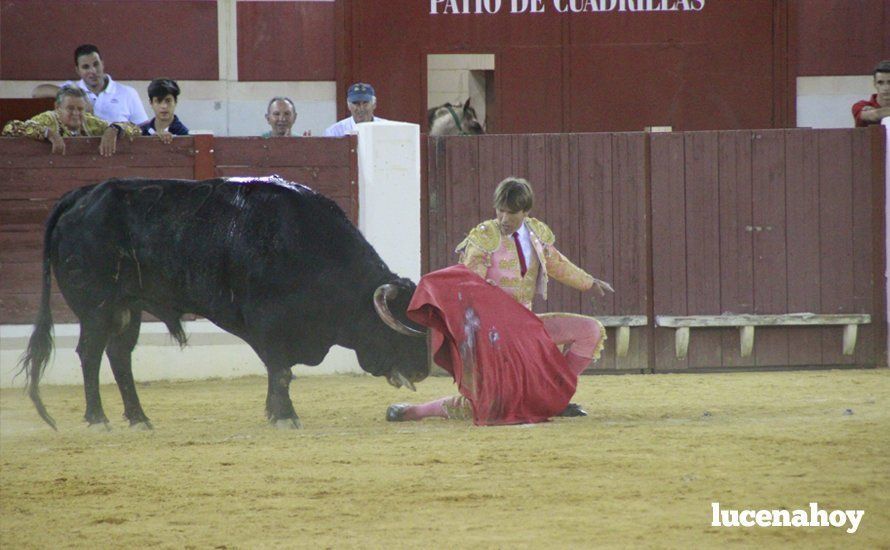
pixel 454 120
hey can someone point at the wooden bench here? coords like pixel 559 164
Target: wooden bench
pixel 623 324
pixel 746 324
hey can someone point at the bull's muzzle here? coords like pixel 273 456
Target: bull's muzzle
pixel 397 380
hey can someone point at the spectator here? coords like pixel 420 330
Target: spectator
pixel 281 116
pixel 873 110
pixel 163 94
pixel 112 101
pixel 71 119
pixel 361 101
pixel 516 253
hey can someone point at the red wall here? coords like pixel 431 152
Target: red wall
pixel 841 37
pixel 137 40
pixel 711 69
pixel 286 40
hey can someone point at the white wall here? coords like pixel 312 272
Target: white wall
pixel 826 101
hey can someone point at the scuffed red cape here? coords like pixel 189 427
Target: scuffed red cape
pixel 499 353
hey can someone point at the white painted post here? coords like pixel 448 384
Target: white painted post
pixel 389 193
pixel 886 124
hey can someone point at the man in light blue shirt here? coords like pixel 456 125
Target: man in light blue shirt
pixel 361 101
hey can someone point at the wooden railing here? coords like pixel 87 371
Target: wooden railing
pixel 32 179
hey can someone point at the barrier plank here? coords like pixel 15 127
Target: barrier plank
pixel 736 236
pixel 703 242
pixel 836 224
pixel 863 262
pixel 770 261
pixel 668 175
pixel 804 275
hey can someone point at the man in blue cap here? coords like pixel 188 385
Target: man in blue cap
pixel 362 101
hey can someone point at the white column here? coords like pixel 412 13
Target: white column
pixel 886 123
pixel 389 193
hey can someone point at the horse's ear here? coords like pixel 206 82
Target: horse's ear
pixel 467 104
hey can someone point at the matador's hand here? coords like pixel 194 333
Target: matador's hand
pixel 602 286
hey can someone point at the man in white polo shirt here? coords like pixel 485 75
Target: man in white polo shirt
pixel 112 101
pixel 361 101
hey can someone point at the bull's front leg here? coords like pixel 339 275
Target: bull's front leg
pixel 279 408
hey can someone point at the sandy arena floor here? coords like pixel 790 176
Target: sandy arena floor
pixel 641 471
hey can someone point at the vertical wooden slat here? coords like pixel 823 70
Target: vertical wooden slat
pixel 836 236
pixel 770 265
pixel 668 241
pixel 438 203
pixel 205 164
pixel 495 164
pixel 703 244
pixel 736 238
pixel 462 190
pixel 863 263
pixel 630 226
pixel 562 216
pixel 802 205
pixel 596 235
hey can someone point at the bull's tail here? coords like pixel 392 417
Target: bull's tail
pixel 40 346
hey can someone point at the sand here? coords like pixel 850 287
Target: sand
pixel 641 471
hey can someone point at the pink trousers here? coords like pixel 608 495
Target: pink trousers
pixel 580 334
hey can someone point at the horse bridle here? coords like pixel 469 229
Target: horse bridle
pixel 456 120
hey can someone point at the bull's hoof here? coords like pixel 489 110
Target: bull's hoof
pixel 573 409
pixel 287 424
pixel 99 427
pixel 396 412
pixel 143 426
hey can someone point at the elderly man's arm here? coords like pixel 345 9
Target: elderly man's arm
pixel 42 127
pixel 95 126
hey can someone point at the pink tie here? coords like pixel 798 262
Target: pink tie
pixel 522 266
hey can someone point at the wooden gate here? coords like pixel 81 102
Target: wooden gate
pixel 711 225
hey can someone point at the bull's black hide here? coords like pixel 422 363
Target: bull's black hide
pixel 269 261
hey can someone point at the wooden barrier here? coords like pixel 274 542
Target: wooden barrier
pixel 31 180
pixel 695 224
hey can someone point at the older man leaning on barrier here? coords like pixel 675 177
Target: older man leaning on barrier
pixel 71 119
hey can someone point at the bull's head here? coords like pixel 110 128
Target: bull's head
pixel 400 354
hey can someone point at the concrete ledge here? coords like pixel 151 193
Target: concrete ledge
pixel 210 353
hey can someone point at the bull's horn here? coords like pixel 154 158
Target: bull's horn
pixel 382 295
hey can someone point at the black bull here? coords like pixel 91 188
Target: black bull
pixel 271 262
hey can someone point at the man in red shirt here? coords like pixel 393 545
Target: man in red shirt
pixel 873 110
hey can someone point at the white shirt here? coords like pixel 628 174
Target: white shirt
pixel 116 103
pixel 345 127
pixel 525 240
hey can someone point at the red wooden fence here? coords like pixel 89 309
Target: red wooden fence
pixel 697 223
pixel 31 180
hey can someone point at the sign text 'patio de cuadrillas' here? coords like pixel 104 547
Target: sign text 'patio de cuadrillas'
pixel 472 7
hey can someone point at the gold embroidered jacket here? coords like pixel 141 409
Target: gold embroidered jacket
pixel 492 256
pixel 35 127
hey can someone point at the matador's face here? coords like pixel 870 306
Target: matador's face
pixel 510 222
